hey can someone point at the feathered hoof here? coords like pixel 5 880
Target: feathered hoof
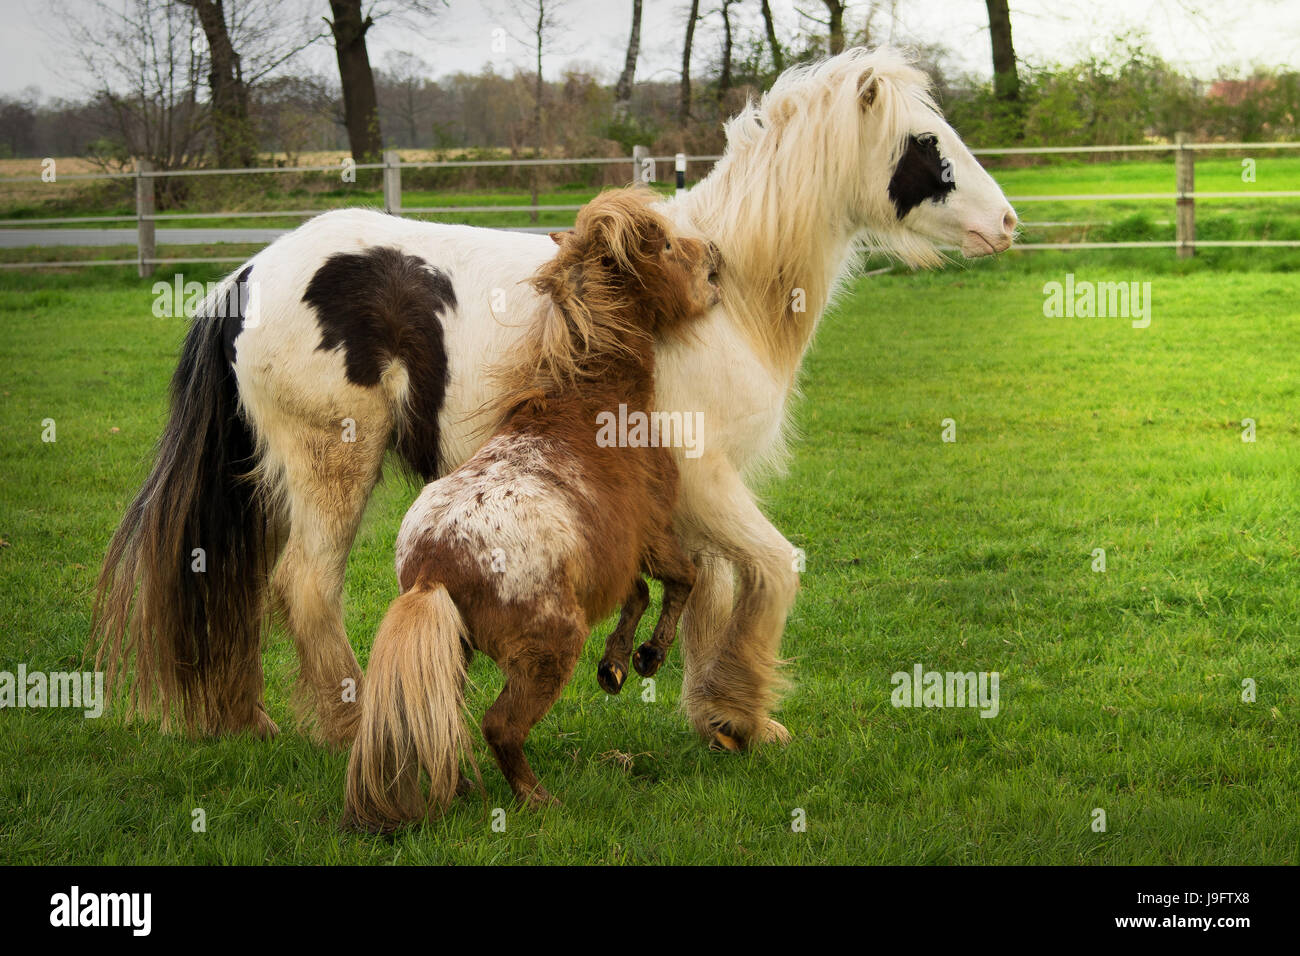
pixel 775 733
pixel 353 823
pixel 264 727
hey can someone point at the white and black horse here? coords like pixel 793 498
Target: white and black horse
pixel 360 332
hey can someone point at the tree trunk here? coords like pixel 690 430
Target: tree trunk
pixel 235 140
pixel 724 78
pixel 537 105
pixel 360 105
pixel 778 59
pixel 684 100
pixel 835 8
pixel 1006 81
pixel 623 89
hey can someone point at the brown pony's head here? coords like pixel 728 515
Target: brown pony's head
pixel 624 263
pixel 621 277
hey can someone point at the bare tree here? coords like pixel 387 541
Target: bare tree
pixel 17 125
pixel 235 140
pixel 403 84
pixel 542 19
pixel 268 33
pixel 623 88
pixel 724 75
pixel 144 74
pixel 1006 80
pixel 349 25
pixel 360 104
pixel 834 23
pixel 778 58
pixel 684 97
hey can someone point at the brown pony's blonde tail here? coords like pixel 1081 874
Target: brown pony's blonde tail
pixel 411 714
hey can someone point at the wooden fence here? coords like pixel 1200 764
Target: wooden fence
pixel 643 167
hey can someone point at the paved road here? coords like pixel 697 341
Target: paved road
pixel 14 238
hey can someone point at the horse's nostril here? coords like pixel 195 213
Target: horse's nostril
pixel 1009 222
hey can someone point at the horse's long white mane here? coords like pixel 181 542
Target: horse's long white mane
pixel 805 171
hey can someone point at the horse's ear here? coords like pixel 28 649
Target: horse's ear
pixel 558 237
pixel 868 88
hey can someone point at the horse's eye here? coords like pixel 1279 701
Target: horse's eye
pixel 668 246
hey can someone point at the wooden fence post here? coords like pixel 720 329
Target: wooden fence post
pixel 146 247
pixel 639 155
pixel 392 182
pixel 1185 174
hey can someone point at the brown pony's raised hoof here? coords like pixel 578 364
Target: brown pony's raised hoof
pixel 610 675
pixel 648 659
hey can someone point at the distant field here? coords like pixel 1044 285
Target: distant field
pixel 1121 690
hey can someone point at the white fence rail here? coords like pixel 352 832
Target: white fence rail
pixel 1183 196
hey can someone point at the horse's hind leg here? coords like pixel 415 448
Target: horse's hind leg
pixel 618 646
pixel 537 666
pixel 675 570
pixel 327 480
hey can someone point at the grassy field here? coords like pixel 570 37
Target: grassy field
pixel 1120 691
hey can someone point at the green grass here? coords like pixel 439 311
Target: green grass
pixel 1119 690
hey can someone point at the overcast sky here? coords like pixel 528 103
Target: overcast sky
pixel 1229 34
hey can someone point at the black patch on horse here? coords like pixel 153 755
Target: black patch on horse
pixel 383 306
pixel 919 175
pixel 231 315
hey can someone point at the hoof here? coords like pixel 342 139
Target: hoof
pixel 352 823
pixel 775 733
pixel 539 798
pixel 647 660
pixel 263 726
pixel 722 741
pixel 725 741
pixel 610 675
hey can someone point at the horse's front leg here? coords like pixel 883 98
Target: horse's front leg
pixel 732 627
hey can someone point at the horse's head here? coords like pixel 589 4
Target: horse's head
pixel 920 184
pixel 936 188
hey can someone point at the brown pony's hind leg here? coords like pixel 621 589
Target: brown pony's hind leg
pixel 675 570
pixel 537 667
pixel 328 483
pixel 618 646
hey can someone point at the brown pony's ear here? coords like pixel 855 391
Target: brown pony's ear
pixel 558 237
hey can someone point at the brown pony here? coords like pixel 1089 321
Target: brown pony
pixel 543 531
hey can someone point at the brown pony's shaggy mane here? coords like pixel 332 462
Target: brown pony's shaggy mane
pixel 595 308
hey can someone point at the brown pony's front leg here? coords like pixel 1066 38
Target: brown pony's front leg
pixel 676 571
pixel 618 646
